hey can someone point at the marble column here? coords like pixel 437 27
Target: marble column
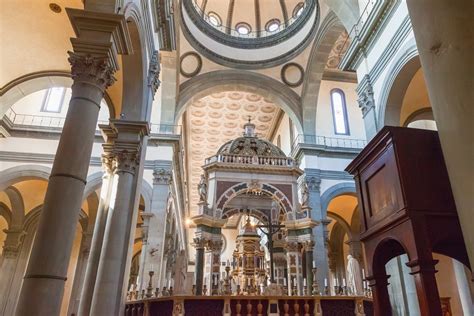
pixel 308 249
pixel 111 283
pixel 215 248
pixel 199 244
pixel 295 271
pixel 93 64
pixel 444 37
pixel 87 290
pixel 367 105
pixel 462 282
pixel 155 246
pixel 320 253
pixel 11 250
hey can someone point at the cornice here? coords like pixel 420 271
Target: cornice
pixel 323 151
pixel 364 41
pixel 327 174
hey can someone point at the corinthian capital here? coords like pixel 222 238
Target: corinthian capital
pixel 126 161
pixel 12 243
pixel 162 176
pixel 90 69
pixel 199 242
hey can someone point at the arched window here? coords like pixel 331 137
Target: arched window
pixel 272 25
pixel 298 9
pixel 339 112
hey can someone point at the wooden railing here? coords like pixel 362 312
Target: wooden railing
pixel 252 160
pixel 250 306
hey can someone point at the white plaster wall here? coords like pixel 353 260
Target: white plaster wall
pixel 283 132
pixel 324 116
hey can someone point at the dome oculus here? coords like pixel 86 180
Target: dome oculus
pixel 214 19
pixel 298 10
pixel 272 25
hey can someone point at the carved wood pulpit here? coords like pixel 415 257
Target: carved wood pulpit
pixel 407 207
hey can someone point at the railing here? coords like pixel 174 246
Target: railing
pixel 252 34
pixel 328 142
pixel 356 28
pixel 56 122
pixel 251 160
pixel 250 305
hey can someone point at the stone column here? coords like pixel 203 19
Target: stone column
pixel 367 105
pixel 444 37
pixel 97 237
pixel 199 244
pixel 462 282
pixel 11 250
pixel 142 281
pixel 110 287
pixel 79 274
pixel 320 254
pixel 156 247
pixel 93 63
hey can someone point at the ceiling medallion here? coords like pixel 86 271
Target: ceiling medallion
pixel 55 7
pixel 190 64
pixel 292 74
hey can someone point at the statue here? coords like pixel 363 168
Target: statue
pixel 180 269
pixel 354 278
pixel 202 189
pixel 305 196
pixel 274 290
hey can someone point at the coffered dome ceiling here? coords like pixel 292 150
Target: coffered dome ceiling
pixel 217 119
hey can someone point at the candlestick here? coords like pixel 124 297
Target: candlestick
pixel 149 290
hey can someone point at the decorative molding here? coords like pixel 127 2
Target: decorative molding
pixel 163 16
pixel 284 78
pixel 162 176
pixel 339 76
pixel 366 97
pixel 154 72
pixel 196 71
pixel 89 69
pixel 319 174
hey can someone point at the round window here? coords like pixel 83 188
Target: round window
pixel 214 19
pixel 298 9
pixel 243 28
pixel 273 25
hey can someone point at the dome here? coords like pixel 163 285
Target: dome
pixel 250 145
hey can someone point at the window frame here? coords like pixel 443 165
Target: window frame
pixel 269 23
pixel 245 25
pixel 344 111
pixel 216 16
pixel 297 8
pixel 44 105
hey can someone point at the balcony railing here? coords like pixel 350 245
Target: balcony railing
pixel 56 123
pixel 252 160
pixel 332 142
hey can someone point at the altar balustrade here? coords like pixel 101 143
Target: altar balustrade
pixel 252 160
pixel 250 306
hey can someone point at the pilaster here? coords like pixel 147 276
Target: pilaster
pixel 367 105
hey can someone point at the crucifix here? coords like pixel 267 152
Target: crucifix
pixel 271 229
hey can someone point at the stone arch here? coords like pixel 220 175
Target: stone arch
pixel 341 221
pixel 224 80
pixel 30 83
pixel 6 213
pixel 329 31
pixel 16 174
pixel 396 84
pixel 94 181
pixel 421 114
pixel 134 69
pixel 243 187
pixel 17 206
pixel 146 192
pixel 336 190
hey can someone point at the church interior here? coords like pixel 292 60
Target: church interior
pixel 236 157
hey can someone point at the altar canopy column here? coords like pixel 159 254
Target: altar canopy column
pixel 87 290
pixel 308 250
pixel 444 37
pixel 112 277
pixel 199 244
pixel 320 254
pixel 295 268
pixel 154 248
pixel 215 247
pixel 100 37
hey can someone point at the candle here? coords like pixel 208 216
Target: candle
pixel 304 282
pixel 284 282
pixel 314 264
pixel 343 281
pixel 335 282
pixel 325 282
pixel 363 274
pixel 151 268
